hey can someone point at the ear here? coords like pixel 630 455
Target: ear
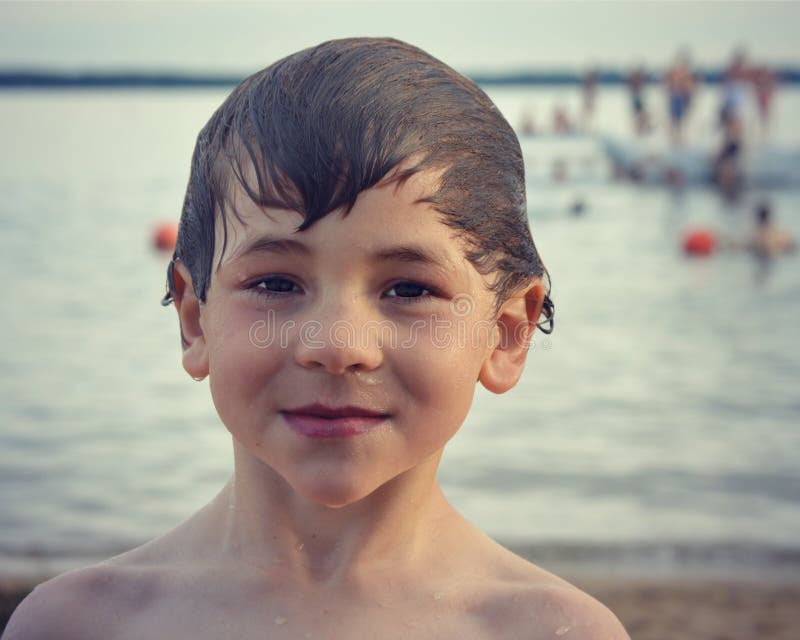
pixel 516 322
pixel 195 354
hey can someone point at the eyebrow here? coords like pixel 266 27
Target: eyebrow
pixel 408 253
pixel 286 246
pixel 269 244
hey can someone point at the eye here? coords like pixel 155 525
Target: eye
pixel 274 286
pixel 409 291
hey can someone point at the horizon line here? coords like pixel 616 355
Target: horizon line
pixel 20 77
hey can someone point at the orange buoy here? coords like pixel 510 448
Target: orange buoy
pixel 165 236
pixel 699 242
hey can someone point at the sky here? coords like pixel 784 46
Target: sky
pixel 474 37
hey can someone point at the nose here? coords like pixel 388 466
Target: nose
pixel 340 336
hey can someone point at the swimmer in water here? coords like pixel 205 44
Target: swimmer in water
pixel 769 240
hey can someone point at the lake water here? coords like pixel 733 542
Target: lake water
pixel 658 423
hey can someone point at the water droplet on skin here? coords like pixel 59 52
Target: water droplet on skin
pixel 280 620
pixel 299 546
pixel 370 380
pixel 562 630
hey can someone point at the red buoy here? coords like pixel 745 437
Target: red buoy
pixel 165 236
pixel 699 242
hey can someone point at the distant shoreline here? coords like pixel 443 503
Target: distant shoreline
pixel 631 560
pixel 57 79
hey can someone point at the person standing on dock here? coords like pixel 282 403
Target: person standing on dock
pixel 764 85
pixel 637 80
pixel 680 86
pixel 589 94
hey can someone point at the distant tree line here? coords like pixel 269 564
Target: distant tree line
pixel 14 78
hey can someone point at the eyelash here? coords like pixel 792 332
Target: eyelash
pixel 258 290
pixel 429 292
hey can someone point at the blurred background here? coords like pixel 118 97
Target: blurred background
pixel 655 431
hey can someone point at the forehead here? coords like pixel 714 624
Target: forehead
pixel 389 212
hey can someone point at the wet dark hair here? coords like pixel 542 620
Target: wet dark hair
pixel 313 130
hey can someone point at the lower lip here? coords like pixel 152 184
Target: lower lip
pixel 316 427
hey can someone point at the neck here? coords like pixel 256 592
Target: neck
pixel 266 524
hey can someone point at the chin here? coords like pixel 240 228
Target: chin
pixel 332 497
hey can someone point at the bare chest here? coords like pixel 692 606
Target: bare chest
pixel 309 619
pixel 275 624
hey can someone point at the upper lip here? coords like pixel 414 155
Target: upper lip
pixel 347 411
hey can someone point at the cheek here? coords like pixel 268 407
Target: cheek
pixel 440 381
pixel 241 365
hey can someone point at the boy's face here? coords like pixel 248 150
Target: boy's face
pixel 346 354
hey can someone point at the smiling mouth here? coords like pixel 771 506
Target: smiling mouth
pixel 320 421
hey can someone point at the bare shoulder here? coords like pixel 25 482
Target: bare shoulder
pixel 126 596
pixel 83 604
pixel 566 611
pixel 529 602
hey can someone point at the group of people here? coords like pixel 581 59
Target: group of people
pixel 747 93
pixel 745 105
pixel 739 80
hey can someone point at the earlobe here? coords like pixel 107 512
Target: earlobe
pixel 516 322
pixel 195 355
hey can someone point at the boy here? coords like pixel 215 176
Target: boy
pixel 353 256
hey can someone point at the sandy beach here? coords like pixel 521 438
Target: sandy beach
pixel 713 610
pixel 650 610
